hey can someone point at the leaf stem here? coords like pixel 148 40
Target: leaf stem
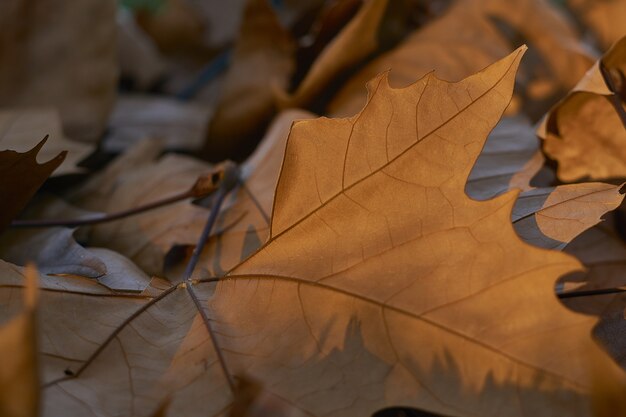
pixel 229 180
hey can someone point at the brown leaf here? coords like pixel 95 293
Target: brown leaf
pixel 262 63
pixel 137 177
pixel 382 283
pixel 584 132
pixel 408 213
pixel 19 374
pixel 60 53
pixel 474 43
pixel 20 178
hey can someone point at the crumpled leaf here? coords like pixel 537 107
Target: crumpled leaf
pixel 21 129
pixel 584 132
pixel 19 375
pixel 475 42
pixel 332 314
pixel 82 85
pixel 247 97
pixel 20 178
pixel 605 18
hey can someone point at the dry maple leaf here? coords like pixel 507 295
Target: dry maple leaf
pixel 584 132
pixel 467 38
pixel 382 284
pixel 20 178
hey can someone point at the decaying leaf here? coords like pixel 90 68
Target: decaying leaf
pixel 20 177
pixel 247 97
pixel 19 374
pixel 381 284
pixel 60 53
pixel 475 42
pixel 584 132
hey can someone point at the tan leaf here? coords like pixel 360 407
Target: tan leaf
pixel 475 42
pixel 82 84
pixel 262 63
pixel 382 284
pixel 137 177
pixel 584 132
pixel 335 277
pixel 19 374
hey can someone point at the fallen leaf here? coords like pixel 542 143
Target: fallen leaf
pixel 21 129
pixel 605 18
pixel 247 97
pixel 475 42
pixel 19 374
pixel 354 43
pixel 82 85
pixel 584 132
pixel 137 177
pixel 20 178
pixel 374 249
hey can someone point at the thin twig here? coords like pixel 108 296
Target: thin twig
pixel 588 293
pixel 204 186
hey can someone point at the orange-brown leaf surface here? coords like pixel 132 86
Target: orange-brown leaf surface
pixel 382 283
pixel 584 132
